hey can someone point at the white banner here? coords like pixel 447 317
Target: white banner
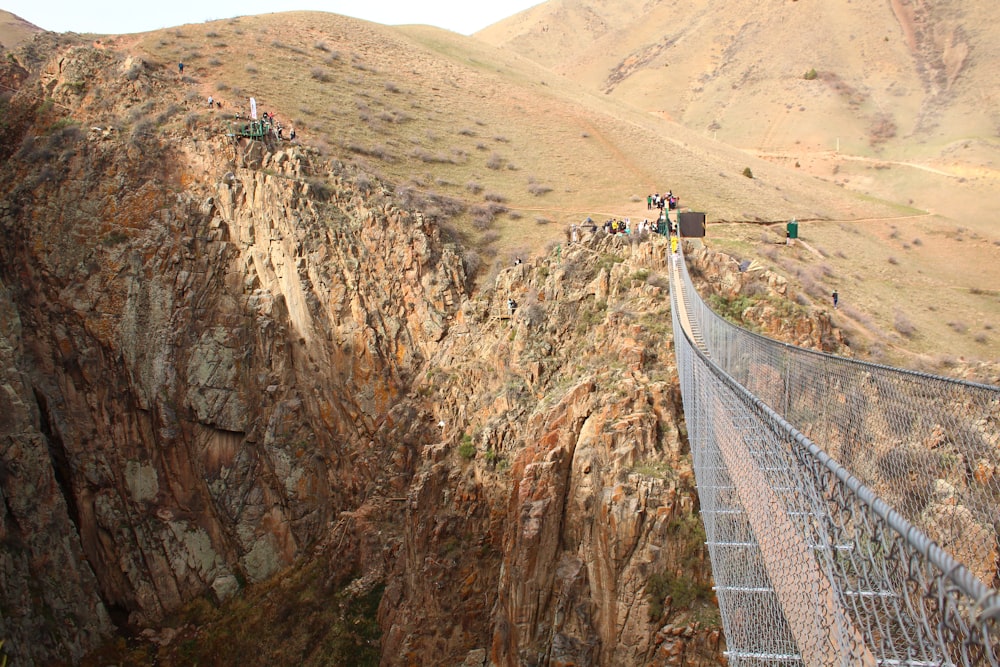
pixel 253 108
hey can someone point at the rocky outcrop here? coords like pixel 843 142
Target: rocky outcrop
pixel 577 488
pixel 768 303
pixel 230 361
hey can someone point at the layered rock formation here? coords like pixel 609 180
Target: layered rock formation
pixel 769 304
pixel 223 362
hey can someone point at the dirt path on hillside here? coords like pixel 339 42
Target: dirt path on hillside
pixel 833 155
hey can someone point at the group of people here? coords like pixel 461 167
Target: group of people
pixel 657 201
pixel 616 226
pixel 268 125
pixel 625 226
pixel 663 225
pixel 278 130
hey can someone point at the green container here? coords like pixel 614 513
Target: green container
pixel 793 230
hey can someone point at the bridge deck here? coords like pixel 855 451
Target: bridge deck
pixel 807 598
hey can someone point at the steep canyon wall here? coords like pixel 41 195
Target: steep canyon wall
pixel 222 361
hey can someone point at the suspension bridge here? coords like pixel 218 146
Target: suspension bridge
pixel 852 510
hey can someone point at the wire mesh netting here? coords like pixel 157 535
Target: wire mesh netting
pixel 879 545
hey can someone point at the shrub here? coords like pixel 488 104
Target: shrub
pixel 474 187
pixel 682 593
pixel 134 70
pixel 903 325
pixel 466 448
pixel 114 238
pixel 494 162
pixel 430 158
pixel 810 75
pixel 537 189
pixel 533 314
pixel 320 189
pixel 472 261
pixel 362 182
pixel 482 218
pixel 320 74
pixel 747 172
pixel 882 129
pixel 494 197
pixel 958 327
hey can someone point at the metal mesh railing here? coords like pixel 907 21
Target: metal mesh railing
pixel 811 562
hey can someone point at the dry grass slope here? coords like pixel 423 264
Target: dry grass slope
pixel 450 121
pixel 888 100
pixel 506 153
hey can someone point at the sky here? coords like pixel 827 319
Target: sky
pixel 124 16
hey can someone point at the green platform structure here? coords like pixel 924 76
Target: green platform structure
pixel 249 129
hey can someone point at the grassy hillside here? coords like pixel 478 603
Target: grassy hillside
pixel 904 78
pixel 15 31
pixel 475 129
pixel 507 153
pixel 892 101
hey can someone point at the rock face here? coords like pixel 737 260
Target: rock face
pixel 217 362
pixel 771 309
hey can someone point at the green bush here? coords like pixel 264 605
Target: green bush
pixel 747 172
pixel 810 75
pixel 467 449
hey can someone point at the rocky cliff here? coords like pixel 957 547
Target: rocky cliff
pixel 238 380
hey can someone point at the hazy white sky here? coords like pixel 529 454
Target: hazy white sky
pixel 123 16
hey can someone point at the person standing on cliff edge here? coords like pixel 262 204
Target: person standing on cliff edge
pixel 836 299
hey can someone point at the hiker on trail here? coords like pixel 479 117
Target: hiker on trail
pixel 180 68
pixel 511 306
pixel 649 202
pixel 673 244
pixel 291 134
pixel 836 299
pixel 517 260
pixel 211 102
